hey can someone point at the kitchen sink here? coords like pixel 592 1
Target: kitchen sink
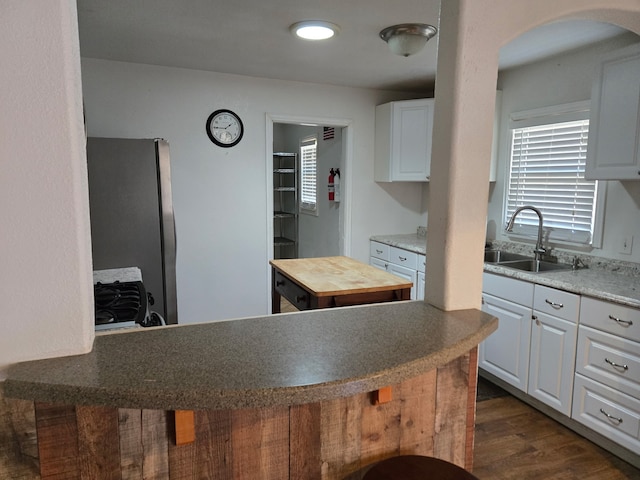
pixel 499 256
pixel 522 262
pixel 535 266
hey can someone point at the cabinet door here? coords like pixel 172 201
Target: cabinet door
pixel 552 361
pixel 403 141
pixel 411 140
pixel 613 151
pixel 505 353
pixel 420 286
pixel 405 273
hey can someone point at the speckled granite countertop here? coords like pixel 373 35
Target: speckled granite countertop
pixel 604 279
pixel 281 359
pixel 414 242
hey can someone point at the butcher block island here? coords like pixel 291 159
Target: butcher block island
pixel 309 283
pixel 288 396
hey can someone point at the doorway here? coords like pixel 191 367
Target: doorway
pixel 307 229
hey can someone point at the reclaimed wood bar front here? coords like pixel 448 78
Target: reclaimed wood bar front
pixel 278 397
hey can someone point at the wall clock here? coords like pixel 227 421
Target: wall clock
pixel 225 128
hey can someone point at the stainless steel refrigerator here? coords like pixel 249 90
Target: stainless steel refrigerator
pixel 131 210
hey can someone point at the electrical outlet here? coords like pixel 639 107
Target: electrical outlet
pixel 626 243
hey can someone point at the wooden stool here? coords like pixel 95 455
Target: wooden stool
pixel 416 467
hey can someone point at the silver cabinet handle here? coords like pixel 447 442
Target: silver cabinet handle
pixel 378 251
pixel 554 304
pixel 611 417
pixel 627 323
pixel 402 259
pixel 616 365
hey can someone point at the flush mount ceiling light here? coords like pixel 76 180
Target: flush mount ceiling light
pixel 314 29
pixel 407 38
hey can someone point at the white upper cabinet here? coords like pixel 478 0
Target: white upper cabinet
pixel 614 127
pixel 403 141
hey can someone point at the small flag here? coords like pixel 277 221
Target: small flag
pixel 329 133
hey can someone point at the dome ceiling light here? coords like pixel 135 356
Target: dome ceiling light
pixel 408 38
pixel 314 29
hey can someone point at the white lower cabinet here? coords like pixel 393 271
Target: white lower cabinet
pixel 505 353
pixel 400 262
pixel 533 350
pixel 607 381
pixel 551 361
pixel 578 355
pixel 406 273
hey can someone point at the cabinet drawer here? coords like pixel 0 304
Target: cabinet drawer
pixel 610 317
pixel 557 303
pixel 422 263
pixel 607 411
pixel 514 290
pixel 379 250
pixel 404 258
pixel 299 297
pixel 603 357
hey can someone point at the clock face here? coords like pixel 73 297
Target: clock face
pixel 224 128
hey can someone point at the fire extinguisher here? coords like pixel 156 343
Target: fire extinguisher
pixel 332 188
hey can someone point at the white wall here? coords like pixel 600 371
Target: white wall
pixel 45 250
pixel 220 194
pixel 564 79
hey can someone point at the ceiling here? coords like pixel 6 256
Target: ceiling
pixel 251 37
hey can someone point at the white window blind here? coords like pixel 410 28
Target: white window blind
pixel 308 174
pixel 547 172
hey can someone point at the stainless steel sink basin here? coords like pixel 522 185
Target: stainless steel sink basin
pixel 535 266
pixel 499 256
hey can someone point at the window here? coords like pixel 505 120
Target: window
pixel 308 175
pixel 548 157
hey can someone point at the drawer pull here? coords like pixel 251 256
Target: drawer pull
pixel 626 323
pixel 611 417
pixel 279 283
pixel 554 304
pixel 378 251
pixel 616 365
pixel 402 259
pixel 300 298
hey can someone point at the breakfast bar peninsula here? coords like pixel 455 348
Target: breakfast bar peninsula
pixel 288 396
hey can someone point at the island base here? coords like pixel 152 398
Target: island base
pixel 432 414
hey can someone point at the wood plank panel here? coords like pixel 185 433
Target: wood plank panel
pixel 57 441
pixel 380 430
pixel 155 439
pixel 98 443
pixel 214 454
pixel 131 451
pixel 417 414
pixel 451 411
pixel 472 376
pixel 305 459
pixel 260 443
pixel 18 439
pixel 341 439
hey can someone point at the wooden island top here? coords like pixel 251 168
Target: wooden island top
pixel 326 276
pixel 323 282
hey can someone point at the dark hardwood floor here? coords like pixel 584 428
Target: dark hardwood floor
pixel 515 441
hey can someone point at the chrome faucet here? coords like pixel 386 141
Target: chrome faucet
pixel 539 251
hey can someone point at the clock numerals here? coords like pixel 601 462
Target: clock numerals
pixel 224 128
